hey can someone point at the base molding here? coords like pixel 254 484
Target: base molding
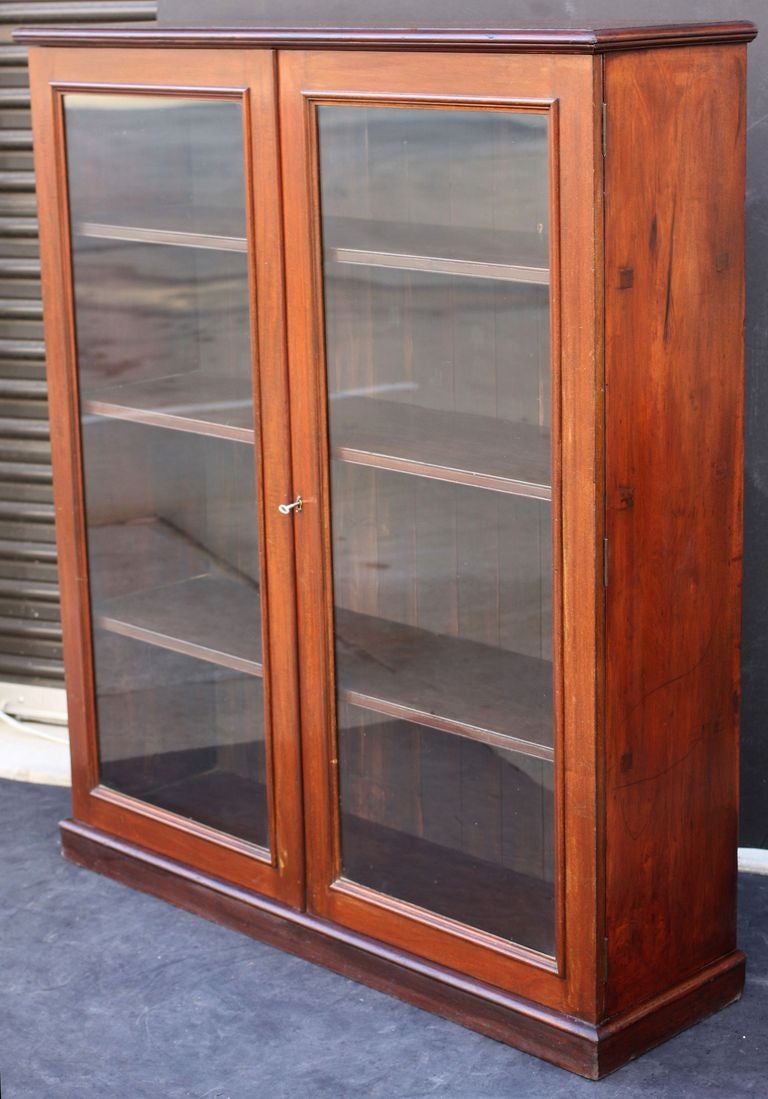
pixel 626 1036
pixel 587 1049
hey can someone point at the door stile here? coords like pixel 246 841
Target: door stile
pixel 273 429
pixel 66 455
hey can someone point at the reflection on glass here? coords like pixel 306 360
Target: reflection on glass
pixel 154 162
pixel 172 733
pixel 449 824
pixel 443 600
pixel 164 330
pixel 158 242
pixel 436 258
pixel 435 229
pixel 162 313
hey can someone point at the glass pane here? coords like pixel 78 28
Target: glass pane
pixel 156 710
pixel 436 260
pixel 159 255
pixel 164 330
pixel 442 599
pixel 435 229
pixel 448 824
pixel 162 313
pixel 155 162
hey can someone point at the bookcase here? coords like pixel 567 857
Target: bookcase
pixel 396 384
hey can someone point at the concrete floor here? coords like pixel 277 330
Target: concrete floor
pixel 106 992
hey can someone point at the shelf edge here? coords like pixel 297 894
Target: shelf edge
pixel 437 265
pixel 444 724
pixel 431 471
pixel 178 239
pixel 178 645
pixel 168 420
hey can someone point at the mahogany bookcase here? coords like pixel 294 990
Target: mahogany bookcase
pixel 396 411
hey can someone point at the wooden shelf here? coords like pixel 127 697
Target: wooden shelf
pixel 177 239
pixel 516 907
pixel 473 253
pixel 185 602
pixel 212 618
pixel 220 785
pixel 191 605
pixel 459 447
pixel 437 249
pixel 441 265
pixel 201 405
pixel 488 694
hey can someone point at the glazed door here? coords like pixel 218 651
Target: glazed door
pixel 165 169
pixel 444 354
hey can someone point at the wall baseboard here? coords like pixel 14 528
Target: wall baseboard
pixel 753 860
pixel 34 746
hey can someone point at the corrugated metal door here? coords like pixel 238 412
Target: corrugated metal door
pixel 30 629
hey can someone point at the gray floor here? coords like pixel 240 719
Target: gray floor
pixel 106 992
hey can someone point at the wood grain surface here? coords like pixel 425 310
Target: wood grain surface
pixel 674 365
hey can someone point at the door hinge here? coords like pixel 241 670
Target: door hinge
pixel 605 128
pixel 605 562
pixel 605 959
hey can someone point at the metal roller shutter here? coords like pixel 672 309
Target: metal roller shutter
pixel 30 628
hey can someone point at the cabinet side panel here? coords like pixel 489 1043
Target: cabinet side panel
pixel 674 359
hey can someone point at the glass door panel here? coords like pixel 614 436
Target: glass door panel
pixel 162 309
pixel 435 226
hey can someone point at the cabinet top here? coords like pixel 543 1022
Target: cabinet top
pixel 595 40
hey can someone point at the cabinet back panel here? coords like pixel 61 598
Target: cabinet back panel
pixel 448 824
pixel 173 732
pixel 450 559
pixel 147 161
pixel 150 314
pixel 201 487
pixel 498 805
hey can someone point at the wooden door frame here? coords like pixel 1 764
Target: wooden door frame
pixel 570 87
pixel 250 78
